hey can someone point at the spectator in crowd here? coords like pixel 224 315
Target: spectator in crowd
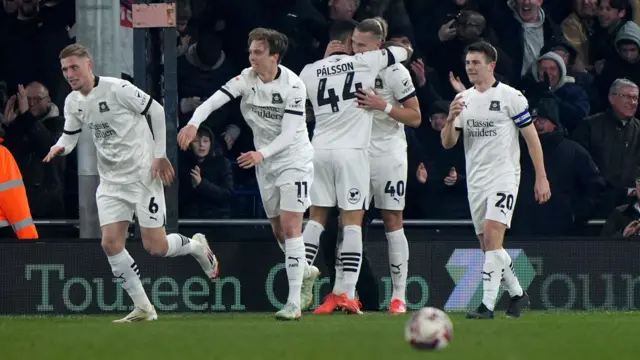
pixel 33 124
pixel 612 138
pixel 624 221
pixel 206 184
pixel 576 183
pixel 469 27
pixel 626 62
pixel 442 189
pixel 523 29
pixel 612 15
pixel 549 80
pixel 578 28
pixel 203 69
pixel 15 217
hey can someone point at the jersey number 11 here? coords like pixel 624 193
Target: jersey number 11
pixel 333 99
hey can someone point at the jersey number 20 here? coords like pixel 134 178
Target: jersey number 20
pixel 334 99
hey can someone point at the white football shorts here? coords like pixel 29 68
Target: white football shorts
pixel 342 178
pixel 286 189
pixel 119 202
pixel 389 180
pixel 495 204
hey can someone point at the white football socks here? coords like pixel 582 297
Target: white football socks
pixel 338 288
pixel 180 245
pixel 491 277
pixel 125 268
pixel 511 282
pixel 351 258
pixel 295 263
pixel 398 262
pixel 311 236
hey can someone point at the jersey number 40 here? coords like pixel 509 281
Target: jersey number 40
pixel 334 99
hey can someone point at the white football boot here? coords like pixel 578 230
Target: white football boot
pixel 306 292
pixel 139 314
pixel 206 259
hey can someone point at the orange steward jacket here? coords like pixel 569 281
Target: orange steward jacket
pixel 14 206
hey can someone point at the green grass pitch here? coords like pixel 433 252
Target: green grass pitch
pixel 537 335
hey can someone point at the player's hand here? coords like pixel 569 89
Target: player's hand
pixel 456 107
pixel 55 151
pixel 196 178
pixel 250 159
pixel 370 100
pixel 451 179
pixel 542 190
pixel 456 83
pixel 631 229
pixel 186 136
pixel 162 169
pixel 421 174
pixel 418 69
pixel 334 47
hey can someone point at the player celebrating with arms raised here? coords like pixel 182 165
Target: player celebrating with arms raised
pixel 132 165
pixel 341 140
pixel 489 115
pixel 273 104
pixel 396 105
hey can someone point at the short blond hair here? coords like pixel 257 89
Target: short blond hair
pixel 75 50
pixel 377 26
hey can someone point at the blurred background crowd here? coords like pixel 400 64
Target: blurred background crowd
pixel 577 62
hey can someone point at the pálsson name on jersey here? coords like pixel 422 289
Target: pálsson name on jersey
pixel 334 69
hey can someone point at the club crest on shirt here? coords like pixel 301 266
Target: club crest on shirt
pixel 495 105
pixel 378 84
pixel 102 105
pixel 276 98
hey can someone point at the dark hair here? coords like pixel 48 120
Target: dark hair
pixel 342 29
pixel 278 42
pixel 619 4
pixel 490 53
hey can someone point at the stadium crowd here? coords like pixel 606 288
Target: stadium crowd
pixel 576 61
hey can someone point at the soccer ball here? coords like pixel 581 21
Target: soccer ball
pixel 429 329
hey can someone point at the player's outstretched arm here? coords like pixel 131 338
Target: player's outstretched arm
pixel 542 190
pixel 380 59
pixel 70 135
pixel 234 88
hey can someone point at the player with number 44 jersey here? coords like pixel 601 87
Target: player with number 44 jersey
pixel 132 165
pixel 341 141
pixel 490 116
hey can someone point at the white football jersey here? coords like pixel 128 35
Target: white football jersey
pixel 263 106
pixel 114 111
pixel 490 125
pixel 332 84
pixel 395 86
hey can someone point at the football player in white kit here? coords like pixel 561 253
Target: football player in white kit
pixel 341 141
pixel 489 116
pixel 273 104
pixel 132 165
pixel 395 104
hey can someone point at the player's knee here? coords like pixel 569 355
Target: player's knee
pixel 392 220
pixel 291 224
pixel 493 235
pixel 112 245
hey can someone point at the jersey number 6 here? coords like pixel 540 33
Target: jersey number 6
pixel 333 99
pixel 153 207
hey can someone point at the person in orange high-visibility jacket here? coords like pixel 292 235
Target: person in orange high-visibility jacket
pixel 14 206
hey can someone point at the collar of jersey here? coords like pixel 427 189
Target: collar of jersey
pixel 339 53
pixel 96 81
pixel 495 84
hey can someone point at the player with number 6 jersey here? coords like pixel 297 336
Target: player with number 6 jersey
pixel 132 165
pixel 341 140
pixel 273 105
pixel 490 116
